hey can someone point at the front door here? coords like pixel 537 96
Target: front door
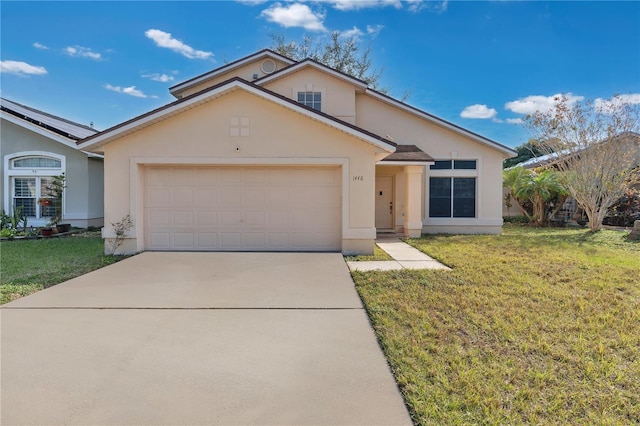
pixel 384 202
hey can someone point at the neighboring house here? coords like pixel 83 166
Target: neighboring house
pixel 570 208
pixel 266 153
pixel 35 146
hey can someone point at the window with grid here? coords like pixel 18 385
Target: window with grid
pixel 26 193
pixel 311 99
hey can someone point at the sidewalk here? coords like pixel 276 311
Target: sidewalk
pixel 404 257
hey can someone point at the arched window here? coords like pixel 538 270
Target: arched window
pixel 28 174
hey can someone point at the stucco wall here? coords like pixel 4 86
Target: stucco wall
pixel 338 97
pixel 81 192
pixel 442 144
pixel 277 135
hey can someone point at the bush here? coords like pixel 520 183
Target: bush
pixel 515 219
pixel 625 211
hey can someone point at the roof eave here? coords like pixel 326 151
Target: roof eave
pixel 93 143
pixel 180 87
pixel 314 64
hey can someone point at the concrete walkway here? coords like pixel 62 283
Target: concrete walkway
pixel 404 257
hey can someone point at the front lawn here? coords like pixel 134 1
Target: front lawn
pixel 536 326
pixel 31 265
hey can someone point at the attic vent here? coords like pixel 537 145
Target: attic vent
pixel 268 66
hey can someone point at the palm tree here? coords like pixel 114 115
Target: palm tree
pixel 539 188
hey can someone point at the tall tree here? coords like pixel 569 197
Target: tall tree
pixel 340 53
pixel 598 148
pixel 526 151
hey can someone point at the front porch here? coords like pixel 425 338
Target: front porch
pixel 399 205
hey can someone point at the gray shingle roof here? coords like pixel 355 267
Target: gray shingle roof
pixel 408 153
pixel 59 125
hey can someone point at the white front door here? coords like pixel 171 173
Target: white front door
pixel 384 202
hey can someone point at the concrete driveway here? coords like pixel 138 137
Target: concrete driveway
pixel 195 339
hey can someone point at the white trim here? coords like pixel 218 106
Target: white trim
pixel 308 63
pixel 136 186
pixel 181 106
pixel 10 173
pixel 39 130
pixel 440 122
pixel 180 87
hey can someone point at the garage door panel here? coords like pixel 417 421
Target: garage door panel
pixel 183 177
pixel 207 240
pixel 207 196
pixel 182 196
pixel 207 218
pixel 183 217
pixel 243 208
pixel 254 198
pixel 231 198
pixel 231 240
pixel 254 219
pixel 184 240
pixel 159 217
pixel 158 196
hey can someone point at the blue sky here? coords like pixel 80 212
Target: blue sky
pixel 481 65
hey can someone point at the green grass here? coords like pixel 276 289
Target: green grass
pixel 378 254
pixel 536 326
pixel 27 266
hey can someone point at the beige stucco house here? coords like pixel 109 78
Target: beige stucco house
pixel 266 153
pixel 34 147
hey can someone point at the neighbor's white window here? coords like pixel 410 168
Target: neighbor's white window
pixel 28 177
pixel 311 99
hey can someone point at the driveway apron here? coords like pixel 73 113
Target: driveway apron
pixel 197 339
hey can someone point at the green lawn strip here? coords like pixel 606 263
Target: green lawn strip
pixel 31 265
pixel 378 255
pixel 534 326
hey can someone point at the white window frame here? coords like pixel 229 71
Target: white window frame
pixel 309 87
pixel 10 173
pixel 453 173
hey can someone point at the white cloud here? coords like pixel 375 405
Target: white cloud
pixel 515 120
pixel 131 90
pixel 374 30
pixel 533 103
pixel 40 46
pixel 163 78
pixel 364 4
pixel 616 101
pixel 82 52
pixel 433 6
pixel 164 39
pixel 478 111
pixel 295 15
pixel 21 68
pixel 352 33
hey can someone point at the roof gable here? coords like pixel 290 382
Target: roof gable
pixel 310 63
pixel 177 89
pixel 441 122
pixel 96 141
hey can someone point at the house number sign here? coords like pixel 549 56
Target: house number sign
pixel 358 178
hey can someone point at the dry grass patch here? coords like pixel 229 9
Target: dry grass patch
pixel 533 326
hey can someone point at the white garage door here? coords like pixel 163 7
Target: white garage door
pixel 243 208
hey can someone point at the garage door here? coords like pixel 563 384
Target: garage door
pixel 243 208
